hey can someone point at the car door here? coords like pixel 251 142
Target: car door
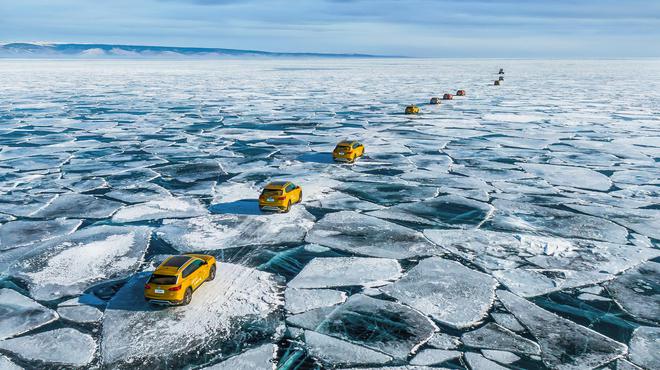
pixel 197 274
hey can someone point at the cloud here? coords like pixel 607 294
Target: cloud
pixel 521 28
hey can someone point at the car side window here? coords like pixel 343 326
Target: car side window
pixel 290 188
pixel 187 271
pixel 194 265
pixel 356 145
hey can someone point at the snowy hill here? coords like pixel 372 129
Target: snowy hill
pixel 60 50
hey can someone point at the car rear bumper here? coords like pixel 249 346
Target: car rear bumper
pixel 270 207
pixel 342 158
pixel 163 302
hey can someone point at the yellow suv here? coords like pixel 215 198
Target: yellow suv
pixel 175 280
pixel 348 151
pixel 279 196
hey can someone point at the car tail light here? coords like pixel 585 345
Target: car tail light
pixel 281 198
pixel 147 286
pixel 175 288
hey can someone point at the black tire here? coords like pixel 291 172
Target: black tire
pixel 211 273
pixel 187 297
pixel 300 199
pixel 288 207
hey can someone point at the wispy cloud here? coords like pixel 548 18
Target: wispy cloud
pixel 496 28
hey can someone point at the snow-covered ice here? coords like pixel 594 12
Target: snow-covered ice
pixel 133 330
pixel 645 347
pixel 256 358
pixel 7 364
pixel 166 207
pixel 68 265
pixel 236 230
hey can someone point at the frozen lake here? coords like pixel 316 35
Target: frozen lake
pixel 515 227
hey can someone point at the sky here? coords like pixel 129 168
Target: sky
pixel 418 28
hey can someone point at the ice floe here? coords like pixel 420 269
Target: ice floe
pixel 338 352
pixel 645 347
pixel 479 362
pixel 502 357
pixel 444 341
pixel 430 357
pixel 139 193
pixel 528 218
pixel 577 177
pixel 160 209
pixel 192 172
pixel 370 236
pixel 133 329
pixel 236 230
pixel 261 357
pixel 589 263
pixel 446 210
pixel 19 233
pixel 494 336
pixel 20 314
pixel 66 346
pixel 636 291
pixel 302 300
pixel 68 265
pixel 388 327
pixel 7 364
pixel 564 344
pixel 447 291
pixel 347 271
pixel 78 206
pixel 508 321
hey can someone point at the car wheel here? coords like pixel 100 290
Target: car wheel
pixel 187 297
pixel 288 207
pixel 211 273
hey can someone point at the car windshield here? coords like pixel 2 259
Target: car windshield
pixel 343 147
pixel 163 279
pixel 271 192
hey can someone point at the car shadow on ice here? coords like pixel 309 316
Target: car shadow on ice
pixel 316 158
pixel 238 207
pixel 131 298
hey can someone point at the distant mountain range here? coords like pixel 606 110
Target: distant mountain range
pixel 60 50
